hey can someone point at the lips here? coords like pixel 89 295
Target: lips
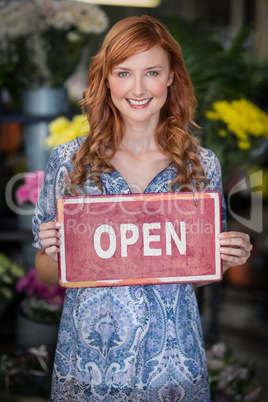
pixel 142 102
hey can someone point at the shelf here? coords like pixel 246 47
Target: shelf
pixel 28 119
pixel 15 236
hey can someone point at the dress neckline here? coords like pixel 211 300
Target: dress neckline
pixel 118 175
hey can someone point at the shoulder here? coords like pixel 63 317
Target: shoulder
pixel 59 165
pixel 209 162
pixel 212 168
pixel 63 154
pixel 207 157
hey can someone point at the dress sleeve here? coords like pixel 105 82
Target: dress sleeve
pixel 45 209
pixel 216 184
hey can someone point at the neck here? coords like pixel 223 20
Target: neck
pixel 140 139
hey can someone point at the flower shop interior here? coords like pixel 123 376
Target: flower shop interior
pixel 46 47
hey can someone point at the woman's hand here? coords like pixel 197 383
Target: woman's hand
pixel 235 248
pixel 49 237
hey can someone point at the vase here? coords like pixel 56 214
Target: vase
pixel 43 104
pixel 24 217
pixel 24 224
pixel 10 139
pixel 34 334
pixel 240 276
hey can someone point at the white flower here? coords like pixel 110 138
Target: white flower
pixel 92 22
pixel 31 29
pixel 218 350
pixel 76 85
pixel 215 364
pixel 73 36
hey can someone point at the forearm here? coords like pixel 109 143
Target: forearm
pixel 47 269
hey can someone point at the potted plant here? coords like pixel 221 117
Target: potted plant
pixel 39 311
pixel 25 373
pixel 47 47
pixel 10 273
pixel 25 199
pixel 220 68
pixel 26 196
pixel 229 379
pixel 237 131
pixel 48 43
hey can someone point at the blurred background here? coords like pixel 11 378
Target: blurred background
pixel 45 52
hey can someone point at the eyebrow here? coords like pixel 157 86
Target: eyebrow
pixel 129 69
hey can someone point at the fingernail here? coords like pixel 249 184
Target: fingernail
pixel 220 236
pixel 222 242
pixel 222 250
pixel 57 225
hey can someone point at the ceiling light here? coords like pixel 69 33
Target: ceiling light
pixel 129 3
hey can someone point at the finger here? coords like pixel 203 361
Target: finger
pixel 52 249
pixel 46 234
pixel 49 225
pixel 240 241
pixel 231 261
pixel 52 252
pixel 45 243
pixel 233 234
pixel 235 252
pixel 237 245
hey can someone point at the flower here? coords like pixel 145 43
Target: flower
pixel 42 303
pixel 62 130
pixel 242 118
pixel 43 41
pixel 237 131
pixel 29 191
pixel 230 380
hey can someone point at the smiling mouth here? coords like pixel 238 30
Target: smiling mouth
pixel 139 103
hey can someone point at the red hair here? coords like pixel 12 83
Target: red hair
pixel 126 38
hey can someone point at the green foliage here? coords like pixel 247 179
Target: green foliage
pixel 222 72
pixel 10 273
pixel 217 71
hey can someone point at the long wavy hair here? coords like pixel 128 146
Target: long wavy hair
pixel 174 132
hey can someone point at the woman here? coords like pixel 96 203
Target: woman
pixel 139 343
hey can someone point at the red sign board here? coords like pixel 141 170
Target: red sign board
pixel 134 239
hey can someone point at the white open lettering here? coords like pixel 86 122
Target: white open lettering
pixel 97 241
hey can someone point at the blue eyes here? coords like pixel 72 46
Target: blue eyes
pixel 124 74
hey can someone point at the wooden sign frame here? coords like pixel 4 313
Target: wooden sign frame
pixel 139 239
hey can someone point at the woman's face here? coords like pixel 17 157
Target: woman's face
pixel 138 86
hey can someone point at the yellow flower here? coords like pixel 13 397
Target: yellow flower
pixel 62 130
pixel 244 145
pixel 242 118
pixel 211 115
pixel 58 125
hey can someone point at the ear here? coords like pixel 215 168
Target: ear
pixel 107 83
pixel 171 76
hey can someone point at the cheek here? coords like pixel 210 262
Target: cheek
pixel 117 90
pixel 160 89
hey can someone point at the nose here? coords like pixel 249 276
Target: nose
pixel 138 86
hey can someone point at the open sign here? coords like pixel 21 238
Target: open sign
pixel 134 239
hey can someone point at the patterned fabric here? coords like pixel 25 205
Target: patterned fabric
pixel 139 343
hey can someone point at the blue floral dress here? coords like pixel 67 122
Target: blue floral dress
pixel 133 343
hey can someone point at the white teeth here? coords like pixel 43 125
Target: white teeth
pixel 139 103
